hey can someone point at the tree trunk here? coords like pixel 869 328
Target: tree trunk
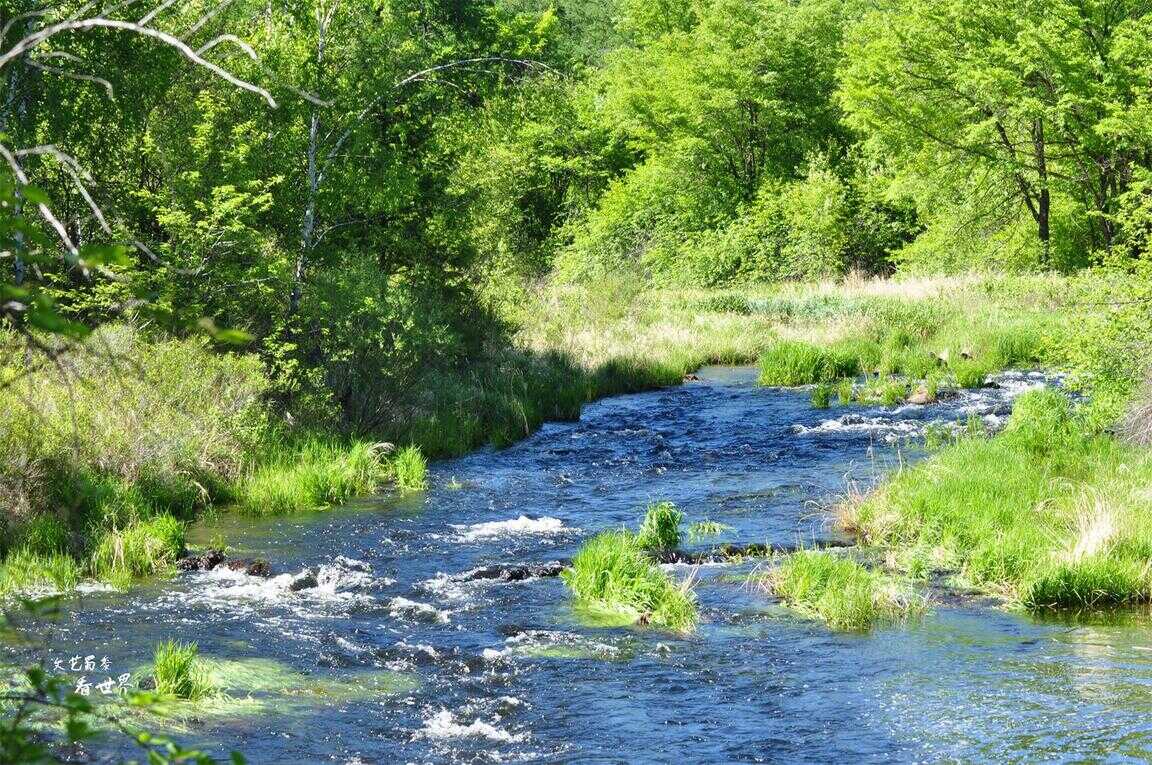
pixel 1044 197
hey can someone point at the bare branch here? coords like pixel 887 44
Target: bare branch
pixel 231 39
pixel 35 39
pixel 108 90
pixel 148 17
pixel 45 212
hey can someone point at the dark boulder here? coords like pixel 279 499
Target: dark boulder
pixel 205 561
pixel 512 572
pixel 306 581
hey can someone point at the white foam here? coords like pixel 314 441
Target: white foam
pixel 413 609
pixel 514 527
pixel 443 724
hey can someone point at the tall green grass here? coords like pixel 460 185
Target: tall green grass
pixel 612 571
pixel 962 341
pixel 1046 514
pixel 177 673
pixel 308 475
pixel 660 529
pixel 142 549
pixel 410 469
pixel 840 591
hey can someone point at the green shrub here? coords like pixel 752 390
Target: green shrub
pixel 177 673
pixel 660 529
pixel 613 572
pixel 410 469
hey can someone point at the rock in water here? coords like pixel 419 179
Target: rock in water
pixel 206 561
pixel 305 581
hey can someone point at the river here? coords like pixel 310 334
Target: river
pixel 391 657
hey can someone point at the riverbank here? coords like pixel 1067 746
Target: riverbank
pixel 154 434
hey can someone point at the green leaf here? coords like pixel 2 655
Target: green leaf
pixel 34 195
pixel 105 255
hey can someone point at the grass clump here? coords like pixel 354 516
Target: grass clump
pixel 840 591
pixel 410 469
pixel 612 571
pixel 25 570
pixel 177 673
pixel 660 529
pixel 142 549
pixel 791 362
pixel 707 529
pixel 315 474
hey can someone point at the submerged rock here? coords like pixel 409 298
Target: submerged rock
pixel 305 581
pixel 921 396
pixel 256 567
pixel 205 561
pixel 513 572
pixel 734 551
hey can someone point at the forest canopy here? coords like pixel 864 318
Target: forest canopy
pixel 363 191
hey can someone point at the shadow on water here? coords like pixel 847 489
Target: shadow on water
pixel 389 657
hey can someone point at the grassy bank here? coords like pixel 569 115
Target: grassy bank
pixel 1047 513
pixel 106 457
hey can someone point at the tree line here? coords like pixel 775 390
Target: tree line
pixel 363 191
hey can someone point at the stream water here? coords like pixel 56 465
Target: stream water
pixel 391 658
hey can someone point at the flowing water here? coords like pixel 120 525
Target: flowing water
pixel 386 655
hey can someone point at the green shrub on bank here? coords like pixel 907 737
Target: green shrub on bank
pixel 840 591
pixel 177 673
pixel 613 572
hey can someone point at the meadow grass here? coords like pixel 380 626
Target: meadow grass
pixel 1046 513
pixel 613 572
pixel 840 591
pixel 177 672
pixel 660 529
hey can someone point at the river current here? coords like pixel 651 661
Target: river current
pixel 392 655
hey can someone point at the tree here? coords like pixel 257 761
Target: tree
pixel 1023 97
